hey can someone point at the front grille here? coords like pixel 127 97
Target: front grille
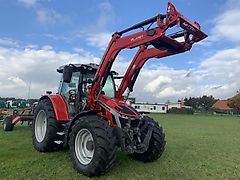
pixel 126 110
pixel 133 123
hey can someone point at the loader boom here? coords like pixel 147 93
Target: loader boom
pixel 139 60
pixel 164 45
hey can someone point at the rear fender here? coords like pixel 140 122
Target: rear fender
pixel 59 106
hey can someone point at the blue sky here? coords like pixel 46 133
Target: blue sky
pixel 49 33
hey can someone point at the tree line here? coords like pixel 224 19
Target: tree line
pixel 234 102
pixel 203 103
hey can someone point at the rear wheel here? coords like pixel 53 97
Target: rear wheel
pixel 156 144
pixel 92 146
pixel 45 128
pixel 7 124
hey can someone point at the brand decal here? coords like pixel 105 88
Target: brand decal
pixel 137 38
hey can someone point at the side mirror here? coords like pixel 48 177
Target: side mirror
pixel 67 74
pixel 49 92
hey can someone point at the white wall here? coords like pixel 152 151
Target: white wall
pixel 174 105
pixel 154 108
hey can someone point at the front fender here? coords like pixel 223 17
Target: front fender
pixel 72 122
pixel 59 106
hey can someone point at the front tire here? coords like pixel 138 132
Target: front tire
pixel 7 124
pixel 45 128
pixel 156 144
pixel 92 146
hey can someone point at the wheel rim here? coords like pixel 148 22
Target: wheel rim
pixel 84 146
pixel 40 125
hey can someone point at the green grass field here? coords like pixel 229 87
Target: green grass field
pixel 198 147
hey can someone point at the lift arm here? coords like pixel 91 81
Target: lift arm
pixel 156 37
pixel 143 55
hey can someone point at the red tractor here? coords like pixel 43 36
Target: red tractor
pixel 91 116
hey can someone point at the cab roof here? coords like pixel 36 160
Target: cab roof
pixel 90 67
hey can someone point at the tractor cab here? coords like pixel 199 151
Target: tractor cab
pixel 74 89
pixel 76 79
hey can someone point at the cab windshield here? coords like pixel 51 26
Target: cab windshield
pixel 66 87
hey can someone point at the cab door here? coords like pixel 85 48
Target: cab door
pixel 69 92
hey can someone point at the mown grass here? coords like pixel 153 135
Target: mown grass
pixel 198 147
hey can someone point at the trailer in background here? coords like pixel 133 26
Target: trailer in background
pixel 147 108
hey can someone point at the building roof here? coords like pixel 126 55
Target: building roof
pixel 222 105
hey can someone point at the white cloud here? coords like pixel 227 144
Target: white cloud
pixel 97 34
pixel 78 50
pixel 48 16
pixel 106 16
pixel 47 47
pixel 99 40
pixel 224 64
pixel 38 66
pixel 217 75
pixel 8 42
pixel 159 81
pixel 44 15
pixel 16 81
pixel 170 91
pixel 28 3
pixel 59 37
pixel 227 26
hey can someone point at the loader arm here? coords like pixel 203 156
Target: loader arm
pixel 143 55
pixel 155 36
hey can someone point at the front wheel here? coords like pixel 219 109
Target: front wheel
pixel 157 141
pixel 92 146
pixel 7 124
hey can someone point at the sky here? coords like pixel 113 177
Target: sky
pixel 38 36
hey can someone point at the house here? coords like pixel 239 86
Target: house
pixel 174 105
pixel 179 105
pixel 222 106
pixel 150 108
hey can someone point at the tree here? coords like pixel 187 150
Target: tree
pixel 234 102
pixel 200 103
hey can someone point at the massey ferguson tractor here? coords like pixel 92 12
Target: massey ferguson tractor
pixel 90 115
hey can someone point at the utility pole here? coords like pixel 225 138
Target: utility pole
pixel 29 91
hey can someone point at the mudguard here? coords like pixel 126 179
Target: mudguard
pixel 59 106
pixel 72 122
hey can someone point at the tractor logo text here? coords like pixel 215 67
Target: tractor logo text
pixel 137 38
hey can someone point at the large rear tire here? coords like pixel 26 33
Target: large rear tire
pixel 156 144
pixel 45 128
pixel 92 146
pixel 7 124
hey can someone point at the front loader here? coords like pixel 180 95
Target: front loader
pixel 91 116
